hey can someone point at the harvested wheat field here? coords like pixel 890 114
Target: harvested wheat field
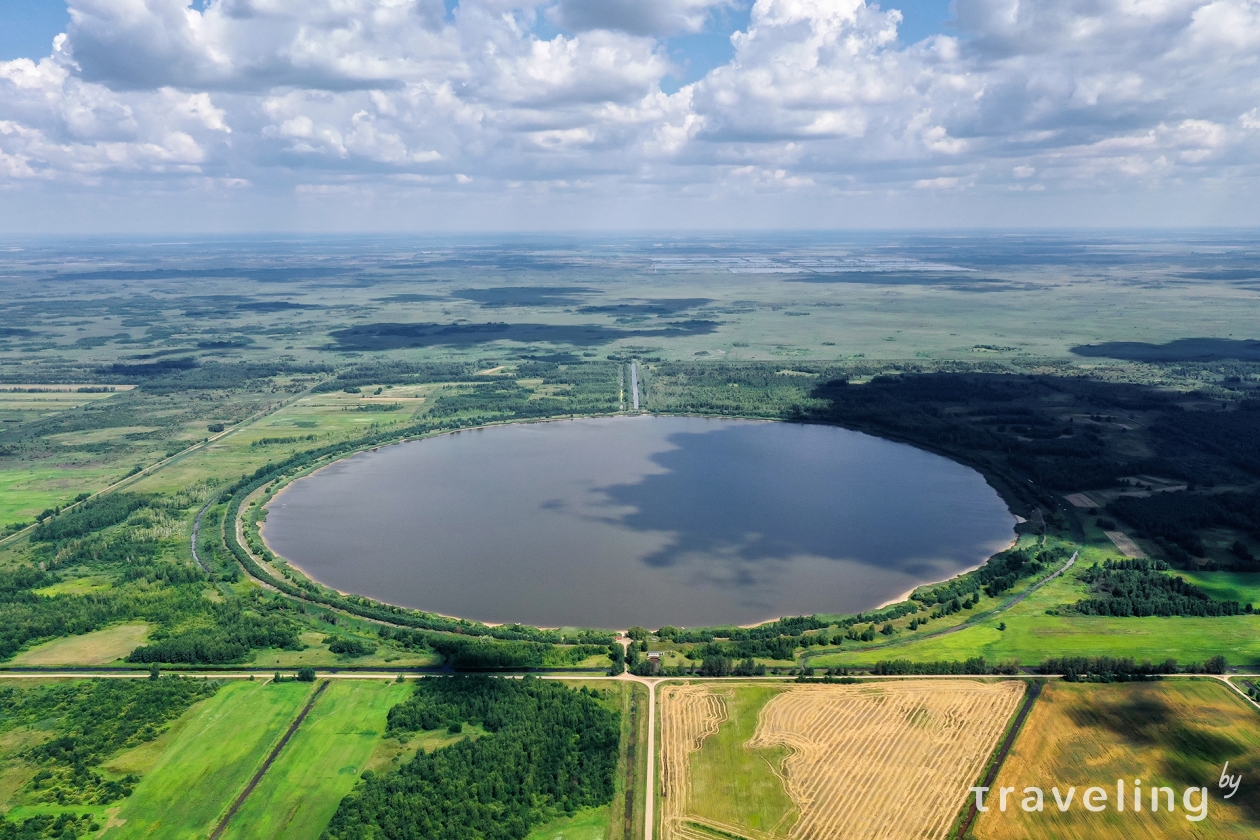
pixel 888 760
pixel 689 714
pixel 1172 735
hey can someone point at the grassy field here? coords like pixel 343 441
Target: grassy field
pixel 302 423
pixel 209 762
pixel 1176 733
pixel 321 764
pixel 1032 635
pixel 317 655
pixel 1243 587
pixel 100 647
pixel 590 824
pixel 731 784
pixel 27 490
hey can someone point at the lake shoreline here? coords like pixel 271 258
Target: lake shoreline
pixel 668 454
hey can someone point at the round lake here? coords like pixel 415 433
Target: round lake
pixel 616 522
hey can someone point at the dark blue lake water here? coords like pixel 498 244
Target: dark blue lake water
pixel 639 520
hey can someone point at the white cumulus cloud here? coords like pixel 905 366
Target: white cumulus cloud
pixel 819 96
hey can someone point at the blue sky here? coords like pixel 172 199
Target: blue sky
pixel 698 53
pixel 628 113
pixel 29 26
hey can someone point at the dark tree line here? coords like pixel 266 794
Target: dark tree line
pixel 64 826
pixel 781 647
pixel 349 646
pixel 1110 669
pixel 228 633
pixel 974 666
pixel 1000 573
pixel 92 515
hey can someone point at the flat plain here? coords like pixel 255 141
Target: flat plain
pixel 1098 344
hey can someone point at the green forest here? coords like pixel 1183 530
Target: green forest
pixel 550 751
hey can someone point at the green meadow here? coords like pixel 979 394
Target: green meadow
pixel 1033 634
pixel 320 764
pixel 201 772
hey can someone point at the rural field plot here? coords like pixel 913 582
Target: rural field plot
pixel 99 647
pixel 689 714
pixel 1174 733
pixel 320 764
pixel 195 780
pixel 870 760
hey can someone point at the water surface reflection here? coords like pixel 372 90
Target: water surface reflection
pixel 639 520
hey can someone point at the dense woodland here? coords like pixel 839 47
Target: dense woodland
pixel 64 826
pixel 550 750
pixel 1141 588
pixel 1176 520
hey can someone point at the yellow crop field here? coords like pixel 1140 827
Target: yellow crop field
pixel 874 760
pixel 1172 736
pixel 689 715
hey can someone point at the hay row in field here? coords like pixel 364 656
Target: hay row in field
pixel 885 761
pixel 689 714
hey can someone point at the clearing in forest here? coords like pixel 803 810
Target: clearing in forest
pixel 890 760
pixel 1125 544
pixel 100 647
